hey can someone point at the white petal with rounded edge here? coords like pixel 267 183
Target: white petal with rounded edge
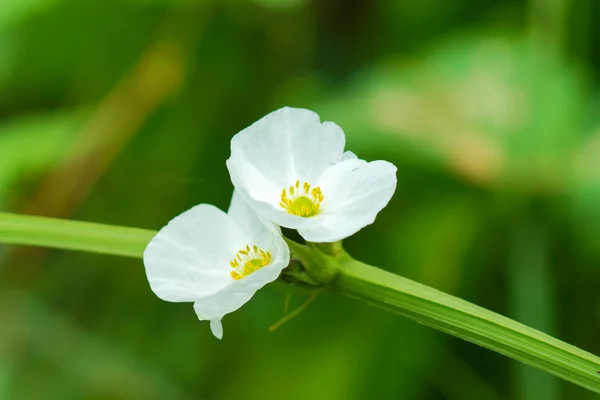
pixel 238 292
pixel 242 214
pixel 249 181
pixel 348 155
pixel 264 234
pixel 262 195
pixel 216 327
pixel 247 219
pixel 290 144
pixel 354 191
pixel 189 258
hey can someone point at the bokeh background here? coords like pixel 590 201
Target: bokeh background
pixel 121 112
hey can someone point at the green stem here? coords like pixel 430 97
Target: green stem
pixel 467 321
pixel 531 300
pixel 73 235
pixel 374 286
pixel 288 317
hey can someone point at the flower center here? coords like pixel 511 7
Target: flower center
pixel 304 202
pixel 248 260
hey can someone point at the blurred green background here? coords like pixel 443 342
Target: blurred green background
pixel 121 112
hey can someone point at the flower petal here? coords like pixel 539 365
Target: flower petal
pixel 262 195
pixel 348 155
pixel 238 292
pixel 247 219
pixel 216 327
pixel 354 191
pixel 290 144
pixel 264 234
pixel 188 259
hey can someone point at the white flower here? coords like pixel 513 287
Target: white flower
pixel 214 259
pixel 293 171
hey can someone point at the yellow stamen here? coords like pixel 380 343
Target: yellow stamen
pixel 304 204
pixel 249 260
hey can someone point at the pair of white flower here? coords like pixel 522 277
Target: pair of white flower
pixel 289 170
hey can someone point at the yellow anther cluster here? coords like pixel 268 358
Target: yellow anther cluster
pixel 248 260
pixel 304 202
